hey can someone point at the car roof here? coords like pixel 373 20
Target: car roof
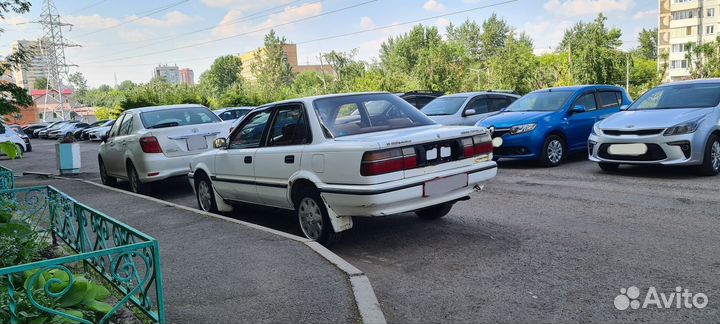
pixel 695 81
pixel 582 87
pixel 222 110
pixel 155 108
pixel 475 93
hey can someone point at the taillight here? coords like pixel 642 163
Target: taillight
pixel 150 144
pixel 388 161
pixel 474 146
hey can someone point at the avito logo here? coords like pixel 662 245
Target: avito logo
pixel 680 298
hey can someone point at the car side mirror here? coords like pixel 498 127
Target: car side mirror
pixel 220 143
pixel 469 112
pixel 105 137
pixel 624 107
pixel 579 109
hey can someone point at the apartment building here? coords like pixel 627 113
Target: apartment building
pixel 187 76
pixel 684 22
pixel 37 68
pixel 169 73
pixel 290 52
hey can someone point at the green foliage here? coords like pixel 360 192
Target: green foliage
pixel 19 243
pixel 271 69
pixel 78 81
pixel 11 150
pixel 12 97
pixel 224 74
pixel 40 83
pixel 648 44
pixel 594 52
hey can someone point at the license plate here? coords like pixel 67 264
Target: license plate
pixel 628 149
pixel 444 185
pixel 195 143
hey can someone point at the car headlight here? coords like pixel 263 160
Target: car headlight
pixel 684 128
pixel 519 129
pixel 596 129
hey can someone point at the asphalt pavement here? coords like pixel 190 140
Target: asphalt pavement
pixel 538 245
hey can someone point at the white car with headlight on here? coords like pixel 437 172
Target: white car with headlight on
pixel 673 124
pixel 333 157
pixel 151 144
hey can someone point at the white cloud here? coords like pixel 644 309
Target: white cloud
pixel 434 6
pixel 228 28
pixel 243 5
pixel 441 24
pixel 574 8
pixel 92 22
pixel 171 19
pixel 546 33
pixel 641 15
pixel 366 23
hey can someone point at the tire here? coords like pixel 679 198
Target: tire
pixel 20 149
pixel 434 212
pixel 553 152
pixel 104 177
pixel 609 167
pixel 711 161
pixel 313 218
pixel 136 185
pixel 205 194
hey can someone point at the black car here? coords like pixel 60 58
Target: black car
pixel 80 133
pixel 420 98
pixel 29 129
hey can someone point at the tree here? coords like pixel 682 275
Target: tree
pixel 517 76
pixel 271 68
pixel 78 81
pixel 346 69
pixel 593 49
pixel 13 97
pixel 40 83
pixel 648 44
pixel 224 73
pixel 495 33
pixel 468 35
pixel 126 85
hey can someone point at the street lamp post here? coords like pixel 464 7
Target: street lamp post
pixel 478 76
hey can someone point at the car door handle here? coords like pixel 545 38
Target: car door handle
pixel 248 159
pixel 289 159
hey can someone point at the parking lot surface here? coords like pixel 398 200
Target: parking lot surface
pixel 538 245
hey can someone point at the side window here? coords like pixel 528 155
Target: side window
pixel 497 103
pixel 423 101
pixel 225 115
pixel 480 104
pixel 126 125
pixel 250 134
pixel 587 100
pixel 115 128
pixel 288 127
pixel 609 99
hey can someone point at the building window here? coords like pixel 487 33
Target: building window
pixel 709 29
pixel 710 12
pixel 682 1
pixel 685 14
pixel 679 48
pixel 678 64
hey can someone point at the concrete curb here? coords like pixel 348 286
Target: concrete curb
pixel 365 299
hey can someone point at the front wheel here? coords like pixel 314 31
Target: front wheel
pixel 313 218
pixel 434 212
pixel 205 195
pixel 553 151
pixel 711 162
pixel 608 167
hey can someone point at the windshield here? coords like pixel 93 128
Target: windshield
pixel 541 101
pixel 697 95
pixel 177 117
pixel 367 113
pixel 443 106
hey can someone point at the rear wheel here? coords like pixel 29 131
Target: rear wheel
pixel 553 151
pixel 434 212
pixel 136 185
pixel 313 217
pixel 608 167
pixel 205 194
pixel 711 162
pixel 104 177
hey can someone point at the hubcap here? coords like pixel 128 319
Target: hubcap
pixel 555 151
pixel 204 195
pixel 715 155
pixel 310 218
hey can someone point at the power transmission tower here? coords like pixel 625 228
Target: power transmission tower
pixel 52 47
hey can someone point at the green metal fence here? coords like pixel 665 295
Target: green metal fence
pixel 7 178
pixel 127 259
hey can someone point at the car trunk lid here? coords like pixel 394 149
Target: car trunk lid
pixel 187 139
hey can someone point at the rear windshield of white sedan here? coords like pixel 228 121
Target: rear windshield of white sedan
pixel 367 113
pixel 177 117
pixel 693 95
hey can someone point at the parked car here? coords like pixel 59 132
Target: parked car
pixel 155 143
pixel 332 157
pixel 467 108
pixel 546 125
pixel 80 132
pixel 67 130
pixel 9 135
pixel 19 131
pixel 96 133
pixel 232 113
pixel 43 133
pixel 419 98
pixel 673 124
pixel 36 132
pixel 30 129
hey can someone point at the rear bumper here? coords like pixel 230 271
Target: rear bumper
pixel 157 167
pixel 401 196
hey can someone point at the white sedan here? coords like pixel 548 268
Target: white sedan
pixel 333 157
pixel 155 143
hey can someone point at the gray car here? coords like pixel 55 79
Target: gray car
pixel 467 108
pixel 673 124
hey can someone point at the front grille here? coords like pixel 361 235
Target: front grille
pixel 511 150
pixel 654 153
pixel 641 132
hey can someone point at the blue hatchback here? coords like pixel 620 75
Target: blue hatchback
pixel 546 125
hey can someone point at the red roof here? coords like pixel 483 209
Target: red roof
pixel 40 93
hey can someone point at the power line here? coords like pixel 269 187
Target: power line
pixel 88 7
pixel 148 13
pixel 238 35
pixel 337 36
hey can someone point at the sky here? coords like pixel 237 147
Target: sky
pixel 126 39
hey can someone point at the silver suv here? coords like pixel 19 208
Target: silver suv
pixel 467 108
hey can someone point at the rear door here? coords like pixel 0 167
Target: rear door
pixel 234 177
pixel 609 102
pixel 279 159
pixel 113 152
